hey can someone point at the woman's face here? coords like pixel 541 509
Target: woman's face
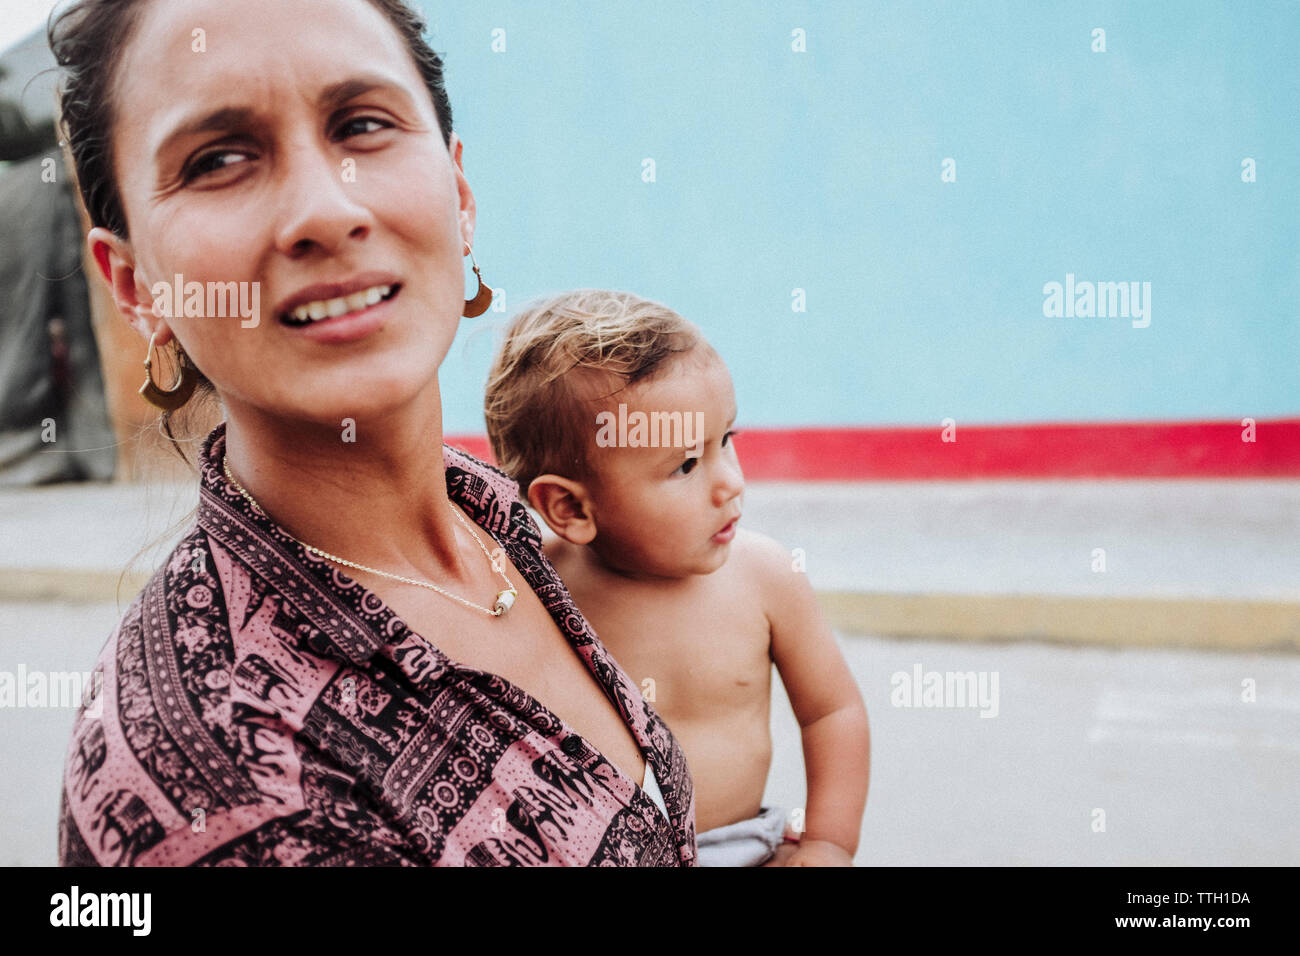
pixel 291 148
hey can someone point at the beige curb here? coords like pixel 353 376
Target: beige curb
pixel 71 586
pixel 1107 621
pixel 1104 621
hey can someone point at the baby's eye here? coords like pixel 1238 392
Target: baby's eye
pixel 686 467
pixel 728 435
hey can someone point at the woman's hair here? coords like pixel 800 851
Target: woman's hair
pixel 560 358
pixel 88 40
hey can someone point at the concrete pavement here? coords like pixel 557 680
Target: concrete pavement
pixel 1182 769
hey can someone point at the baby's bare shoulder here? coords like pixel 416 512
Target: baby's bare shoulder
pixel 551 544
pixel 564 558
pixel 772 570
pixel 759 557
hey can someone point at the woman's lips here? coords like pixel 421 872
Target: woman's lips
pixel 350 326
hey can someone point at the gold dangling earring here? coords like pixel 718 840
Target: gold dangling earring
pixel 186 379
pixel 483 297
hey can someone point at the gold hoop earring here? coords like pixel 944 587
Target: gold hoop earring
pixel 186 379
pixel 483 297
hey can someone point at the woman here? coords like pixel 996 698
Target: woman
pixel 332 667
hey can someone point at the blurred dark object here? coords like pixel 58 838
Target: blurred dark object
pixel 27 100
pixel 18 138
pixel 54 422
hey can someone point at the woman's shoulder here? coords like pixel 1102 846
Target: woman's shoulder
pixel 184 589
pixel 492 498
pixel 162 749
pixel 502 484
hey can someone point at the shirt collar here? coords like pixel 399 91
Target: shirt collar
pixel 353 622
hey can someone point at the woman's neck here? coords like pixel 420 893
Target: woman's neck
pixel 370 491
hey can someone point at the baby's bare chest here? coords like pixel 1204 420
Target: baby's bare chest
pixel 691 658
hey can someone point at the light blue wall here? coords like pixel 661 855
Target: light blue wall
pixel 779 170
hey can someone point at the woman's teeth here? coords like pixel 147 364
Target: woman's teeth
pixel 333 308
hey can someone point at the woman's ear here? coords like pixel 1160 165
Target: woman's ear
pixel 134 301
pixel 468 211
pixel 565 506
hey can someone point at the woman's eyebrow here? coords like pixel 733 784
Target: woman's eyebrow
pixel 227 117
pixel 230 117
pixel 336 94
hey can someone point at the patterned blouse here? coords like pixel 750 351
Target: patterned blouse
pixel 260 708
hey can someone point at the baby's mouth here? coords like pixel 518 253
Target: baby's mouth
pixel 322 310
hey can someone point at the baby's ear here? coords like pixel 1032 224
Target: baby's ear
pixel 565 507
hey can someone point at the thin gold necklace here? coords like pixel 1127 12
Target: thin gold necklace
pixel 505 599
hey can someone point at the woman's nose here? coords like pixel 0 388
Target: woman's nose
pixel 318 207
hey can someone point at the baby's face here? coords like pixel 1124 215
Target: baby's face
pixel 668 511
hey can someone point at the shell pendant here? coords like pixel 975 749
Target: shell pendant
pixel 505 601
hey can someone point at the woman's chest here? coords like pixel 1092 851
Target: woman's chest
pixel 527 648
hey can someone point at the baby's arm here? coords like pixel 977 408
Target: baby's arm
pixel 829 707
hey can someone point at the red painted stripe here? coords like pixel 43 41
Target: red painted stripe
pixel 476 445
pixel 1102 450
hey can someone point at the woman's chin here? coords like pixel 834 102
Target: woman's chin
pixel 353 404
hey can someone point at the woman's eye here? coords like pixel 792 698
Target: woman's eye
pixel 218 159
pixel 360 125
pixel 211 162
pixel 687 466
pixel 729 435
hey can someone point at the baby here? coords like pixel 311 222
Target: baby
pixel 614 415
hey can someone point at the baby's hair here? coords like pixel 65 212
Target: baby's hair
pixel 560 358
